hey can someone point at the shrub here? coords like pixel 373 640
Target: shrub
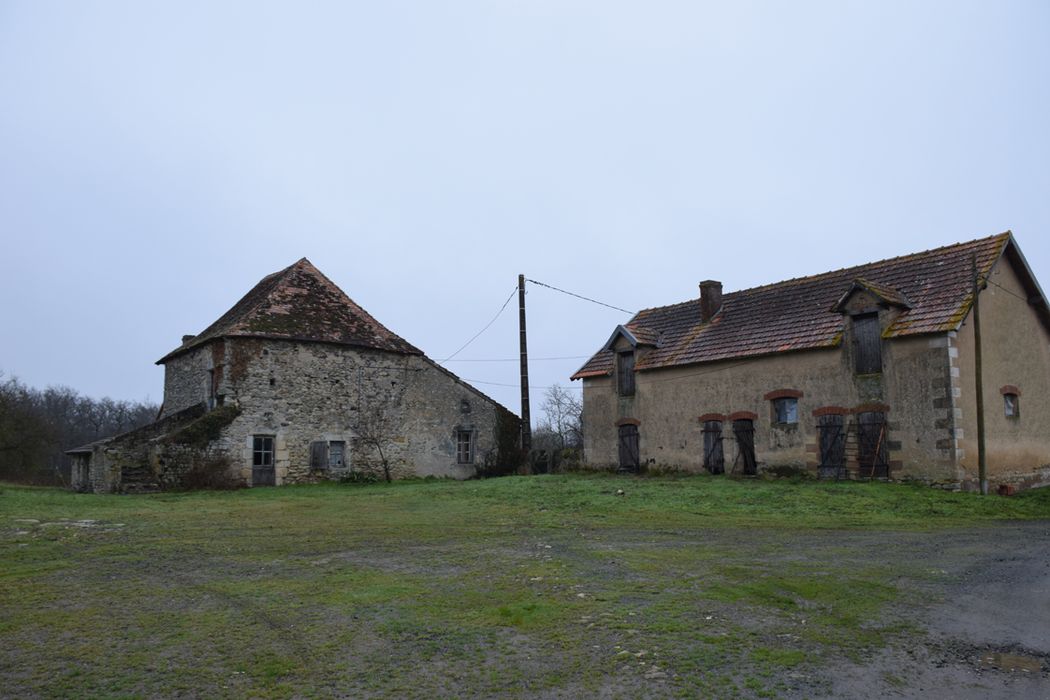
pixel 212 474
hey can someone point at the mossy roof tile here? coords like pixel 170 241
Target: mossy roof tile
pixel 934 286
pixel 299 303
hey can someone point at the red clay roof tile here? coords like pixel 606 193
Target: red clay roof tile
pixel 300 303
pixel 935 286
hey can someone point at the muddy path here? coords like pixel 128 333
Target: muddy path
pixel 985 625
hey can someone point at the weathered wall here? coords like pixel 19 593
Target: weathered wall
pixel 1015 351
pixel 914 384
pixel 130 460
pixel 305 392
pixel 186 380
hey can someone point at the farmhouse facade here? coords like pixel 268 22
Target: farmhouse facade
pixel 297 383
pixel 861 372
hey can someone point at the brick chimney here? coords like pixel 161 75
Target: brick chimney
pixel 710 299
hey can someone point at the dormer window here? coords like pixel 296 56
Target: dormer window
pixel 625 373
pixel 867 344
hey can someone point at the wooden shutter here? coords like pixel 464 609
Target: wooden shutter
pixel 625 374
pixel 867 344
pixel 319 455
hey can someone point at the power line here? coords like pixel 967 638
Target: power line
pixel 487 325
pixel 580 296
pixel 515 386
pixel 531 359
pixel 1016 296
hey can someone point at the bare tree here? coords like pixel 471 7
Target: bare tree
pixel 376 430
pixel 562 417
pixel 559 435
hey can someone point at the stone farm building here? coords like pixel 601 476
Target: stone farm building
pixel 862 372
pixel 297 383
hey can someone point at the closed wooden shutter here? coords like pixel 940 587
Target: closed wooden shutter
pixel 867 344
pixel 625 374
pixel 318 455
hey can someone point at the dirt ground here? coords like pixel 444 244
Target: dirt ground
pixel 985 628
pixel 295 595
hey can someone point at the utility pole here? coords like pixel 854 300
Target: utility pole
pixel 982 467
pixel 526 424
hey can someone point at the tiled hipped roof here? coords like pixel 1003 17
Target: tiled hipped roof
pixel 300 303
pixel 934 289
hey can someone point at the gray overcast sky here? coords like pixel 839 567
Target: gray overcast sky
pixel 157 159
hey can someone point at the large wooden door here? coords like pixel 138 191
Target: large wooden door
pixel 630 459
pixel 832 447
pixel 714 457
pixel 871 445
pixel 744 431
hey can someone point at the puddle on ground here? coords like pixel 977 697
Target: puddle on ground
pixel 1011 662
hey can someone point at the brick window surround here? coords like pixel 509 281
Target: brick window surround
pixel 831 411
pixel 783 394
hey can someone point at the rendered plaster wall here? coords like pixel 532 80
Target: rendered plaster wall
pixel 300 393
pixel 1015 351
pixel 914 386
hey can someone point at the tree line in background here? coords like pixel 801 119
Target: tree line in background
pixel 38 426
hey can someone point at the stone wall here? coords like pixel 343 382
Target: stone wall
pixel 130 461
pixel 403 406
pixel 669 403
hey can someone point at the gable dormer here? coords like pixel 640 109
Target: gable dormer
pixel 629 345
pixel 864 297
pixel 867 304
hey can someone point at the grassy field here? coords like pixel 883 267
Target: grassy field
pixel 549 586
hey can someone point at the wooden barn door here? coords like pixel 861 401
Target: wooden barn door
pixel 744 431
pixel 629 456
pixel 714 457
pixel 871 445
pixel 832 448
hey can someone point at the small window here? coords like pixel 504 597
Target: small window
pixel 785 411
pixel 1012 405
pixel 625 373
pixel 464 447
pixel 867 344
pixel 336 454
pixel 262 451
